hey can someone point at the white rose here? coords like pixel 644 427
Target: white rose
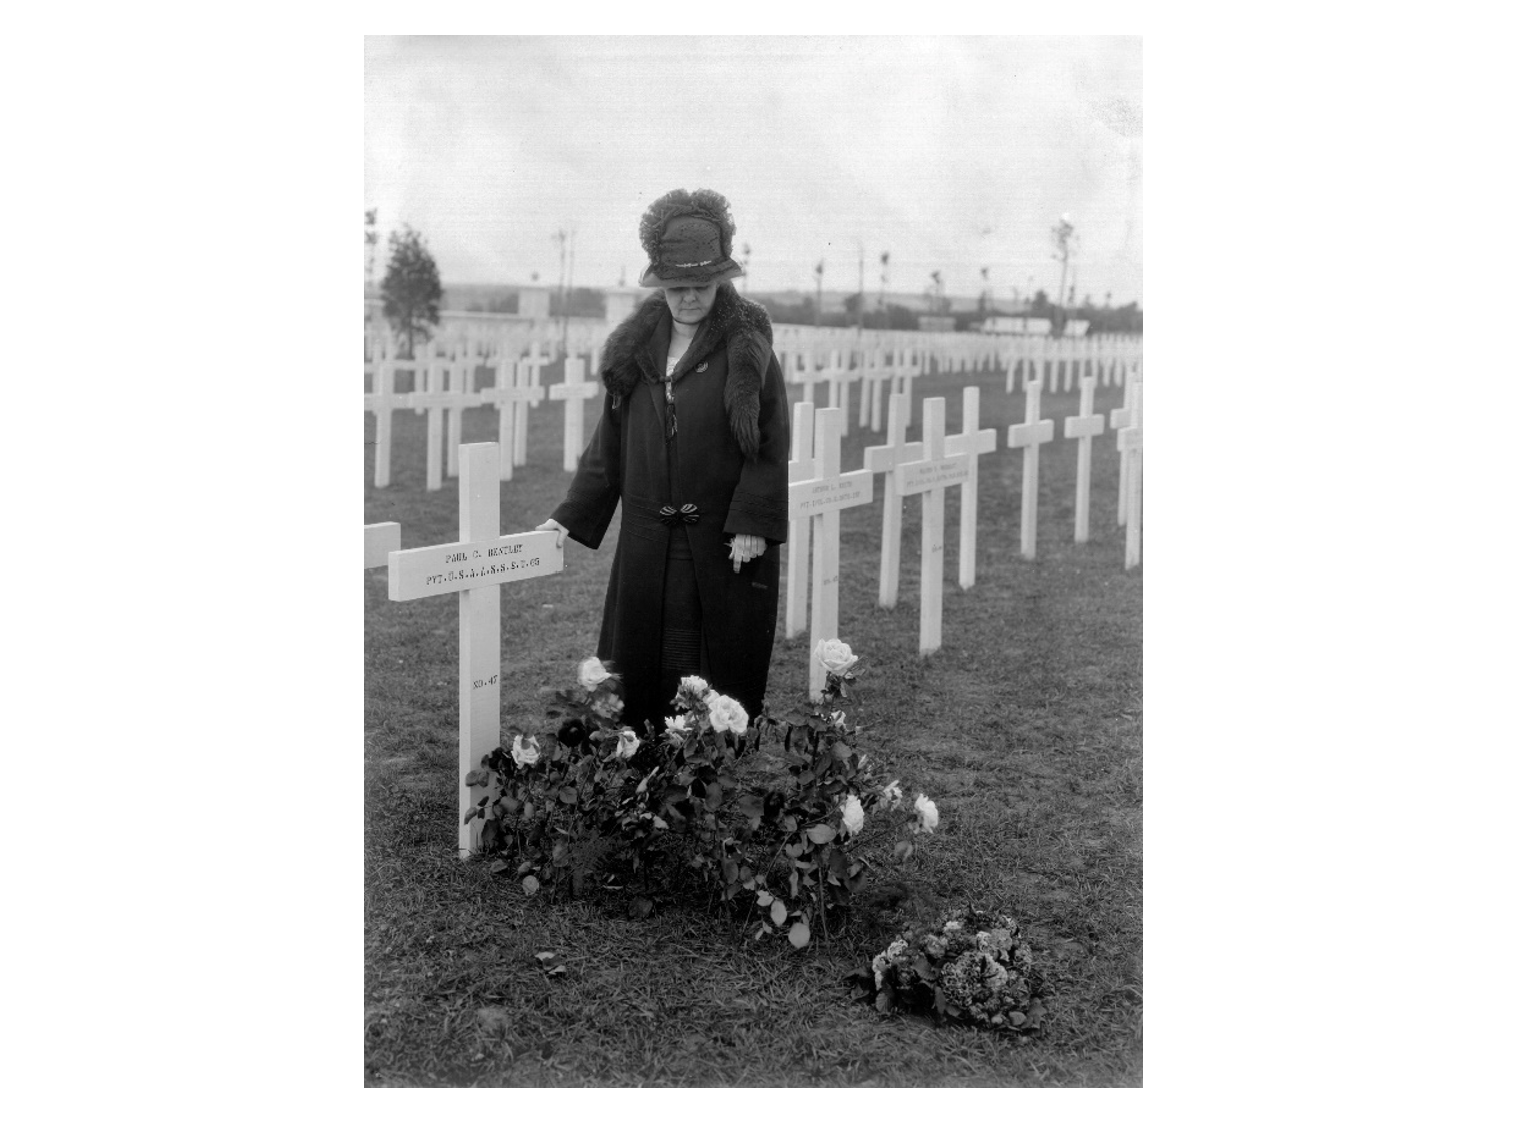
pixel 627 744
pixel 694 687
pixel 592 673
pixel 929 816
pixel 852 816
pixel 892 796
pixel 836 656
pixel 727 713
pixel 525 751
pixel 676 723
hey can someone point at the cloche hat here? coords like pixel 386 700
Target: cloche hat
pixel 688 238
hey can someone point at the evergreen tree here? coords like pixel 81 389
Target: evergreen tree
pixel 412 289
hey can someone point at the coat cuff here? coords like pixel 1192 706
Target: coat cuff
pixel 751 514
pixel 587 521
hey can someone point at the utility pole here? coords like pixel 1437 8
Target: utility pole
pixel 561 240
pixel 1061 233
pixel 861 290
pixel 566 315
pixel 819 275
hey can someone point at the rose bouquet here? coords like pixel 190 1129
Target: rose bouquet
pixel 971 967
pixel 638 812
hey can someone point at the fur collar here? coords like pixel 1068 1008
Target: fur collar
pixel 742 327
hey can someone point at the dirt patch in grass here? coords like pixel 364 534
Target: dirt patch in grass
pixel 1026 726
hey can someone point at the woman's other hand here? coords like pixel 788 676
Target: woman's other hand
pixel 745 547
pixel 553 524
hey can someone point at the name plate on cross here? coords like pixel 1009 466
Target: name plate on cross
pixel 815 495
pixel 429 570
pixel 924 474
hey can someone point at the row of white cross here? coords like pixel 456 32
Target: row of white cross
pixel 482 560
pixel 445 387
pixel 819 491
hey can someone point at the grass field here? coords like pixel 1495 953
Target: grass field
pixel 1025 726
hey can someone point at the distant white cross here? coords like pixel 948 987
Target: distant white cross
pixel 383 402
pixel 573 391
pixel 1083 427
pixel 1119 419
pixel 886 458
pixel 801 468
pixel 971 442
pixel 1030 435
pixel 530 394
pixel 929 477
pixel 1130 444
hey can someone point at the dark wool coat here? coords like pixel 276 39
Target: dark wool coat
pixel 730 460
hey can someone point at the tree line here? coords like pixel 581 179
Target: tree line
pixel 412 293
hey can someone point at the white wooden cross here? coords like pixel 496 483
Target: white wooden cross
pixel 1030 435
pixel 841 377
pixel 1055 358
pixel 887 457
pixel 1013 352
pixel 1119 419
pixel 529 394
pixel 573 391
pixel 473 568
pixel 378 540
pixel 929 476
pixel 902 379
pixel 1083 427
pixel 821 498
pixel 460 370
pixel 809 375
pixel 382 402
pixel 431 398
pixel 1130 443
pixel 801 467
pixel 870 398
pixel 972 443
pixel 503 397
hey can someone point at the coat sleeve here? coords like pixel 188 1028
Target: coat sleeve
pixel 595 490
pixel 760 505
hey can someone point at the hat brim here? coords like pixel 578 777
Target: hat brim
pixel 671 278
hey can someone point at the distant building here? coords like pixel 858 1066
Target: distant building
pixel 535 302
pixel 1021 326
pixel 621 301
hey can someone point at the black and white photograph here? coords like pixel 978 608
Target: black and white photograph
pixel 752 625
pixel 770 599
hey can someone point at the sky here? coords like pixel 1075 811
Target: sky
pixel 949 153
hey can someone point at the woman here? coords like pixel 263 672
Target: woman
pixel 693 443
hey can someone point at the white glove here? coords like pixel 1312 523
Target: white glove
pixel 553 524
pixel 744 548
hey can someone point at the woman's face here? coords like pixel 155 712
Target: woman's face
pixel 691 303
